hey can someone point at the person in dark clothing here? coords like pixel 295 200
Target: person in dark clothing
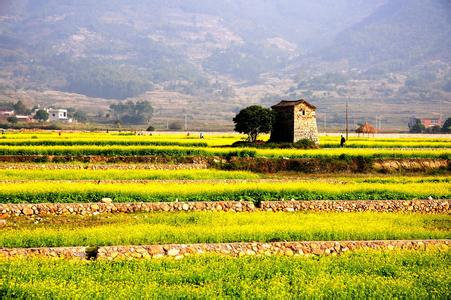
pixel 342 141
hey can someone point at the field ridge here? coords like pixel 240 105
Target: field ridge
pixel 234 249
pixel 434 206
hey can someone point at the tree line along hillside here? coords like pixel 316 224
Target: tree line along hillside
pixel 235 53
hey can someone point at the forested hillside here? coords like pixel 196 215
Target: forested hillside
pixel 187 57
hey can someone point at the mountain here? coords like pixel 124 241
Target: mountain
pixel 406 33
pixel 207 59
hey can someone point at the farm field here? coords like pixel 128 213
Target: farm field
pixel 210 139
pixel 221 227
pixel 138 172
pixel 72 169
pixel 42 192
pixel 363 274
pixel 177 150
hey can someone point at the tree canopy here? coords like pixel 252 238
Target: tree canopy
pixel 12 119
pixel 41 115
pixel 416 127
pixel 254 120
pixel 447 126
pixel 20 108
pixel 132 112
pixel 80 116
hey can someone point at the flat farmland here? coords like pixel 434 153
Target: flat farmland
pixel 74 190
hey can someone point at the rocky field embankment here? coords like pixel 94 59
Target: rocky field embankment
pixel 179 251
pixel 255 164
pixel 107 206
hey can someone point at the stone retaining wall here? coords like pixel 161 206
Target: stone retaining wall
pixel 147 159
pixel 335 165
pixel 61 252
pixel 277 248
pixel 255 164
pixel 179 251
pixel 64 209
pixel 102 166
pixel 414 165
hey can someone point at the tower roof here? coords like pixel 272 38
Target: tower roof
pixel 286 103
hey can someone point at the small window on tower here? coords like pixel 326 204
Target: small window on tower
pixel 303 112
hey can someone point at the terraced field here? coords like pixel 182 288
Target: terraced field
pixel 171 215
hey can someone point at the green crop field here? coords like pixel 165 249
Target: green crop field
pixel 93 138
pixel 122 150
pixel 219 227
pixel 41 192
pixel 111 144
pixel 84 167
pixel 111 174
pixel 73 172
pixel 363 274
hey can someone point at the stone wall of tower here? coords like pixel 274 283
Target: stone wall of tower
pixel 305 124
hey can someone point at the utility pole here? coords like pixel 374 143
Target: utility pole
pixel 325 123
pixel 186 125
pixel 440 110
pixel 378 123
pixel 347 127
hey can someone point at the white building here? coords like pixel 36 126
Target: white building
pixel 57 114
pixel 7 113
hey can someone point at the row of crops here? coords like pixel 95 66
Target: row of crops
pixel 57 171
pixel 363 274
pixel 41 192
pixel 211 140
pixel 355 274
pixel 220 227
pixel 177 151
pixel 167 145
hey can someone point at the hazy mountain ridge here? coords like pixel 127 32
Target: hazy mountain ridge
pixel 413 32
pixel 229 52
pixel 230 37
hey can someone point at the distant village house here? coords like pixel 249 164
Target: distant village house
pixel 295 120
pixel 427 122
pixel 58 115
pixel 5 114
pixel 24 118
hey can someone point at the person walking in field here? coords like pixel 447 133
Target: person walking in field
pixel 342 141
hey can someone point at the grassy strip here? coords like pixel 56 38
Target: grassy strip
pixel 211 140
pixel 376 139
pixel 361 275
pixel 135 174
pixel 359 142
pixel 218 227
pixel 36 192
pixel 201 143
pixel 225 152
pixel 345 153
pixel 43 173
pixel 391 144
pixel 100 142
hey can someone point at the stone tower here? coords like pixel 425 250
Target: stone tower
pixel 295 120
